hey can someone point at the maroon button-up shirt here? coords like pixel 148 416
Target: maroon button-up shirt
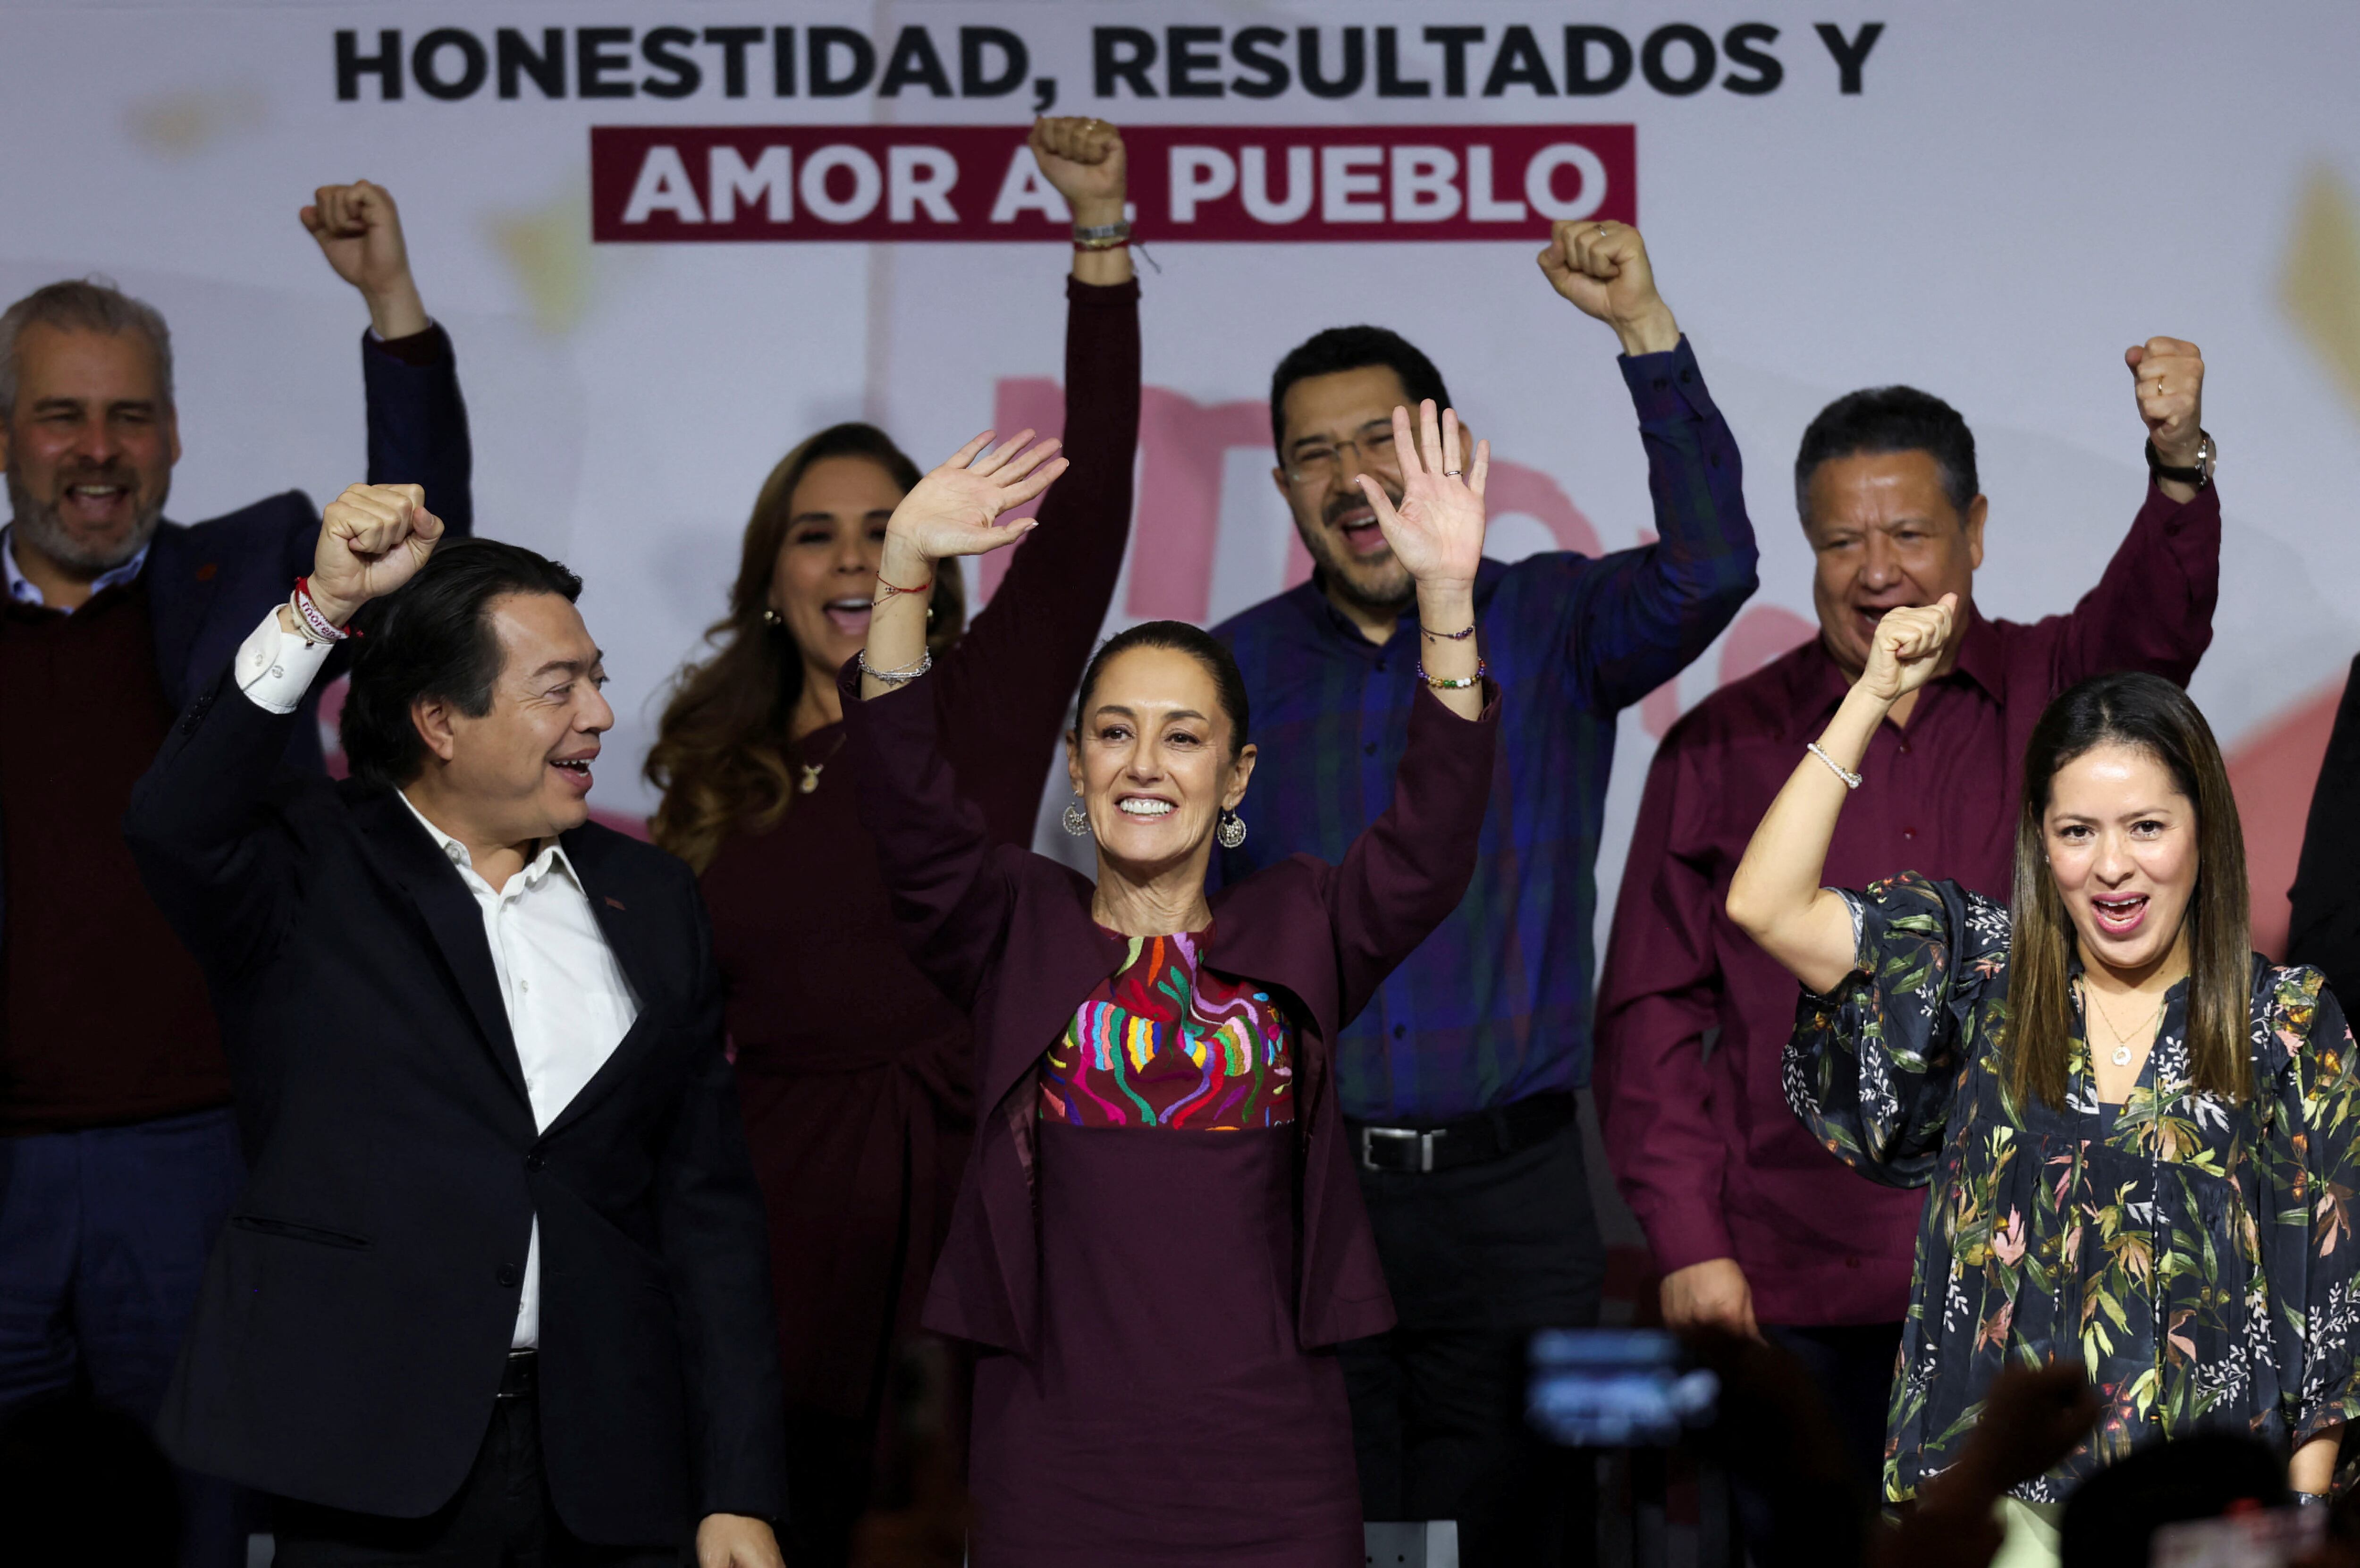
pixel 1701 1142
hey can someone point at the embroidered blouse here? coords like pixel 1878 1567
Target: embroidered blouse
pixel 2196 1255
pixel 1166 1043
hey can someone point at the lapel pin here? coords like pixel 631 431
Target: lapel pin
pixel 205 573
pixel 614 903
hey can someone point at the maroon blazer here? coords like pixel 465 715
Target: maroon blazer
pixel 1007 935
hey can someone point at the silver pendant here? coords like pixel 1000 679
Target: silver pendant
pixel 811 778
pixel 2121 1055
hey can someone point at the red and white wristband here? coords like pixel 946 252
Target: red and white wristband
pixel 315 627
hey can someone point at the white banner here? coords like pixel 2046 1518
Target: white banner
pixel 1989 202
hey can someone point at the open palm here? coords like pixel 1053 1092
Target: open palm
pixel 955 510
pixel 1437 532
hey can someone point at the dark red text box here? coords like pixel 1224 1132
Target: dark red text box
pixel 1352 183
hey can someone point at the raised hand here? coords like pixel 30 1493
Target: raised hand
pixel 955 509
pixel 1083 159
pixel 1906 648
pixel 2168 374
pixel 373 539
pixel 1602 268
pixel 359 231
pixel 1436 533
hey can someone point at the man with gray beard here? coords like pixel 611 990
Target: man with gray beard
pixel 118 1151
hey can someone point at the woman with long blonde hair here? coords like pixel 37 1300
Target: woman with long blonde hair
pixel 854 1070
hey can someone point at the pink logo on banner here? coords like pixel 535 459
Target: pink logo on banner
pixel 674 183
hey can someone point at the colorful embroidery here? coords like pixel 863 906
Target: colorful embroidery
pixel 1164 1043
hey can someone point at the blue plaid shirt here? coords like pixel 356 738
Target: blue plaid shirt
pixel 1495 1005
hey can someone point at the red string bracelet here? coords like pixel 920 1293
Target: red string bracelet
pixel 320 627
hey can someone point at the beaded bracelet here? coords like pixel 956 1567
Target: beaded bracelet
pixel 1442 684
pixel 1850 779
pixel 900 677
pixel 892 588
pixel 1447 636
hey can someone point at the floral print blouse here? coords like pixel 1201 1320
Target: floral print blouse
pixel 2198 1255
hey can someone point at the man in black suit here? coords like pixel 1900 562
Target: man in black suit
pixel 496 1291
pixel 118 1153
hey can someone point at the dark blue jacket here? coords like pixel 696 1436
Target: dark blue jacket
pixel 209 583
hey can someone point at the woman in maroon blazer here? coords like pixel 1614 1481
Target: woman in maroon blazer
pixel 1161 1236
pixel 855 1072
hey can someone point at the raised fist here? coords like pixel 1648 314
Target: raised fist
pixel 1907 647
pixel 1083 159
pixel 373 539
pixel 1602 268
pixel 359 231
pixel 2170 376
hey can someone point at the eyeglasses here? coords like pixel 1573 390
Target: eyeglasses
pixel 1321 462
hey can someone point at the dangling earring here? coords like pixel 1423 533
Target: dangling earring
pixel 1231 831
pixel 1076 820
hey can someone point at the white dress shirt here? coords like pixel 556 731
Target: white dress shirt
pixel 568 1004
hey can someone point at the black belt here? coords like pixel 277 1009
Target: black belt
pixel 520 1378
pixel 1469 1140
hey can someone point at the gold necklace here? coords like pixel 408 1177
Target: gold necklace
pixel 2122 1053
pixel 810 780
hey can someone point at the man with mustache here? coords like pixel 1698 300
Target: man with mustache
pixel 1458 1082
pixel 118 1152
pixel 1756 1229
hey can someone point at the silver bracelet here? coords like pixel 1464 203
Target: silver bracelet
pixel 1850 779
pixel 1085 233
pixel 900 677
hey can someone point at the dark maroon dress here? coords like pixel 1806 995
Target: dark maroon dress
pixel 1157 1303
pixel 856 1073
pixel 1168 1381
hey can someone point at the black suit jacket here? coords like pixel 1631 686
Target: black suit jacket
pixel 208 585
pixel 358 1307
pixel 2325 929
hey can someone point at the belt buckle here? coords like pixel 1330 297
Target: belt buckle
pixel 1424 1146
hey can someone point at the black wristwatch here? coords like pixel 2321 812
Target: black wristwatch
pixel 2197 476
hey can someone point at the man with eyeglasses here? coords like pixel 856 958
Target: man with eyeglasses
pixel 1458 1082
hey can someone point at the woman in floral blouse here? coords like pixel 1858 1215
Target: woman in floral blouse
pixel 2139 1133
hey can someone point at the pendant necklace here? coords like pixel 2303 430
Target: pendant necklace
pixel 2122 1053
pixel 810 780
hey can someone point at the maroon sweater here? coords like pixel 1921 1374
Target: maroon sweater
pixel 105 1014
